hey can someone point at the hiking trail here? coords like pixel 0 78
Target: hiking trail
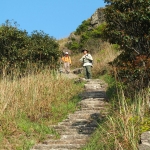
pixel 75 131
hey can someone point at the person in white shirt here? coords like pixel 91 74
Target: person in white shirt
pixel 87 64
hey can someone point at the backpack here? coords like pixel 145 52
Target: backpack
pixel 91 61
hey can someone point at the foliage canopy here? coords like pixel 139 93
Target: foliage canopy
pixel 18 49
pixel 128 24
pixel 89 37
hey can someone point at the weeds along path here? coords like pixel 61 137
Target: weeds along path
pixel 70 75
pixel 75 131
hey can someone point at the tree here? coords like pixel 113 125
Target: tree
pixel 20 51
pixel 43 48
pixel 13 45
pixel 128 24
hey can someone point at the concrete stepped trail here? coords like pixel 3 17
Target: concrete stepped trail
pixel 76 129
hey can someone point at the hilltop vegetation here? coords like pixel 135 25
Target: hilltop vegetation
pixel 91 38
pixel 20 51
pixel 128 26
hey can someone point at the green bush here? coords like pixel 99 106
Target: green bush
pixel 127 25
pixel 18 49
pixel 83 27
pixel 98 31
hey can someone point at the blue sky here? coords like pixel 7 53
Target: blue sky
pixel 58 18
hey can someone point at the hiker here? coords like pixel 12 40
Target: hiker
pixel 87 64
pixel 67 62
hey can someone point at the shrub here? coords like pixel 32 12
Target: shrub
pixel 18 49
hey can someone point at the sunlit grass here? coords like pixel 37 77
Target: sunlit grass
pixel 121 128
pixel 30 104
pixel 106 54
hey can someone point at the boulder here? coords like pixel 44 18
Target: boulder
pixel 145 141
pixel 97 18
pixel 77 71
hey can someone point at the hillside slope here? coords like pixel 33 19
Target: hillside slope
pixel 74 41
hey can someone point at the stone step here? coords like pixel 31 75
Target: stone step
pixel 76 125
pixel 80 131
pixel 91 123
pixel 85 105
pixel 76 117
pixel 73 120
pixel 74 137
pixel 58 146
pixel 62 127
pixel 94 81
pixel 76 129
pixel 89 88
pixel 94 94
pixel 93 108
pixel 64 130
pixel 80 116
pixel 144 147
pixel 69 127
pixel 87 130
pixel 57 149
pixel 65 124
pixel 64 149
pixel 92 86
pixel 70 122
pixel 67 132
pixel 86 111
pixel 75 141
pixel 93 112
pixel 94 99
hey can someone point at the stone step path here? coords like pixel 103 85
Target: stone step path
pixel 145 141
pixel 76 129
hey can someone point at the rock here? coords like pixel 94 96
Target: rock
pixel 97 18
pixel 72 36
pixel 145 141
pixel 66 50
pixel 77 71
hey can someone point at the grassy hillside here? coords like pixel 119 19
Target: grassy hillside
pixel 29 105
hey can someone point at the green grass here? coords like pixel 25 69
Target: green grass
pixel 33 103
pixel 126 120
pixel 60 111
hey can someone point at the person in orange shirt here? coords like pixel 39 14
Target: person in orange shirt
pixel 67 62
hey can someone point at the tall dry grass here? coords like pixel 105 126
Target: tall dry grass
pixel 106 54
pixel 62 42
pixel 34 94
pixel 122 127
pixel 41 98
